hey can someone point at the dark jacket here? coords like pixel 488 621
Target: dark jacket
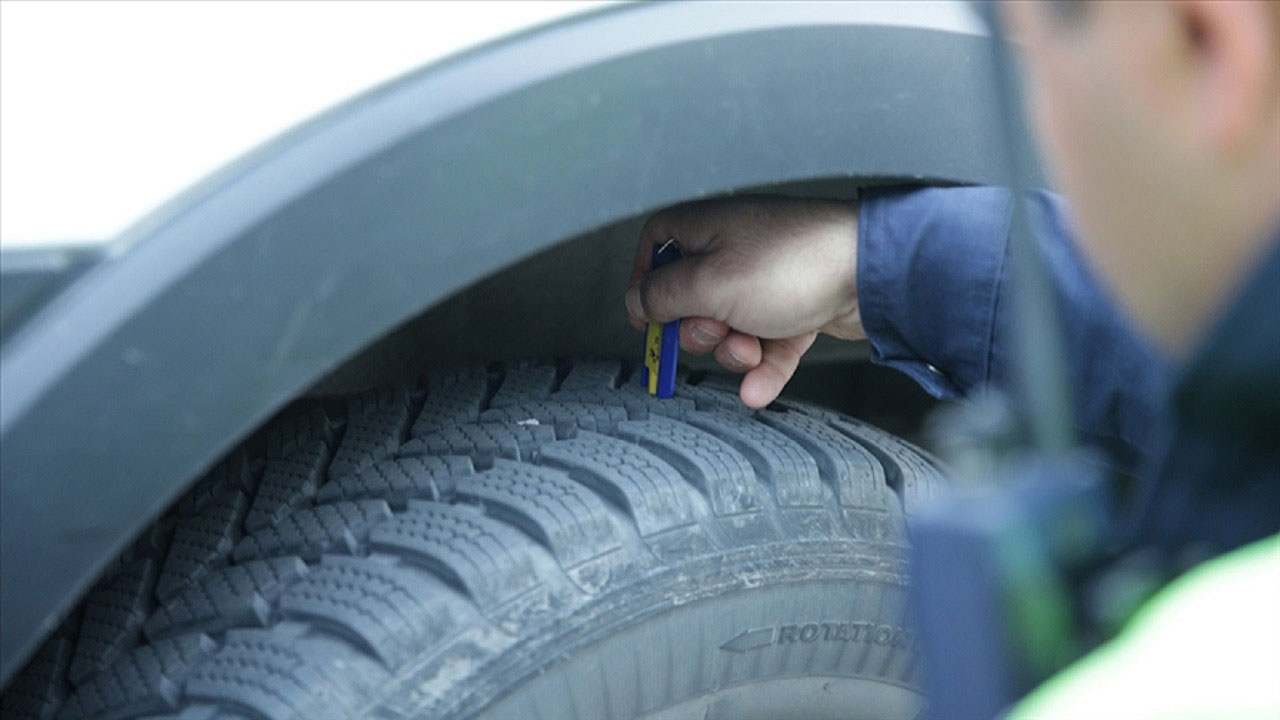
pixel 1204 438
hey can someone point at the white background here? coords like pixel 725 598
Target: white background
pixel 107 109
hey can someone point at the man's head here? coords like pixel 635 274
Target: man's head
pixel 1161 121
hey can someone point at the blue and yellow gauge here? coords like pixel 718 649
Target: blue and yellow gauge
pixel 662 341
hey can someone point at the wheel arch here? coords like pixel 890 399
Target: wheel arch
pixel 209 315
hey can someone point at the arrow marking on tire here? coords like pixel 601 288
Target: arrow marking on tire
pixel 749 640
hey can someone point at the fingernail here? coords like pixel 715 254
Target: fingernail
pixel 733 359
pixel 633 302
pixel 703 336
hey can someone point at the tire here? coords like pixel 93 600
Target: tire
pixel 536 541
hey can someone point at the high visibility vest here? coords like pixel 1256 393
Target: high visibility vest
pixel 1207 646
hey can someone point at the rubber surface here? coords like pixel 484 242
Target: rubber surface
pixel 539 539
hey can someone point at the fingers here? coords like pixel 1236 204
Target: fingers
pixel 687 223
pixel 778 361
pixel 649 236
pixel 657 230
pixel 673 291
pixel 738 352
pixel 700 336
pixel 694 227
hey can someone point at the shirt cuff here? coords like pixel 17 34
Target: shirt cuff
pixel 930 265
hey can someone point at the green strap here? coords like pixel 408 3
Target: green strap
pixel 1206 646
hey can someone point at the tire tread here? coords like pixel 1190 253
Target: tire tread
pixel 315 562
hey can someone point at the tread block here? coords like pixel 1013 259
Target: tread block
pixel 393 609
pixel 855 474
pixel 639 404
pixel 777 459
pixel 202 712
pixel 288 481
pixel 592 375
pixel 710 396
pixel 651 491
pixel 296 430
pixel 201 542
pixel 427 477
pixel 39 690
pixel 727 384
pixel 524 382
pixel 153 542
pixel 813 411
pixel 240 595
pixel 483 442
pixel 909 471
pixel 340 527
pixel 489 560
pixel 377 422
pixel 146 680
pixel 722 474
pixel 232 473
pixel 453 397
pixel 569 520
pixel 113 618
pixel 284 673
pixel 565 417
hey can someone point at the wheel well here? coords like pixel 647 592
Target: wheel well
pixel 236 297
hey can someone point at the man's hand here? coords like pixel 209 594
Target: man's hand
pixel 761 277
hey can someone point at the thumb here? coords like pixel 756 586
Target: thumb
pixel 673 291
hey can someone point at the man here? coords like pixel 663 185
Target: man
pixel 1161 123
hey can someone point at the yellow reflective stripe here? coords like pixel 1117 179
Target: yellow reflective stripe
pixel 1206 646
pixel 653 355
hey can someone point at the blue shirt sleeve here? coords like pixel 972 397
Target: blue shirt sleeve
pixel 933 292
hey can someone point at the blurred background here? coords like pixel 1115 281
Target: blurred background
pixel 107 109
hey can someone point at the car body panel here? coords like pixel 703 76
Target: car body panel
pixel 211 314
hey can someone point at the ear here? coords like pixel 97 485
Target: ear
pixel 1233 48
